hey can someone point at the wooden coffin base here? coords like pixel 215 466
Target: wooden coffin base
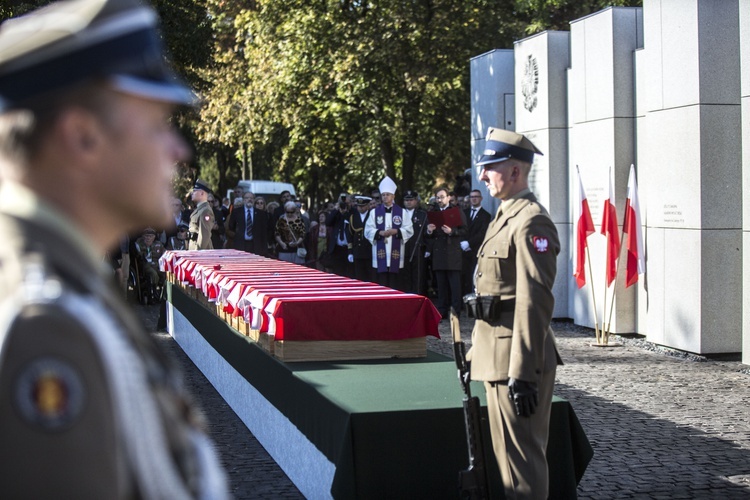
pixel 339 350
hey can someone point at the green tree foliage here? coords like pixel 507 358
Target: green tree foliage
pixel 333 94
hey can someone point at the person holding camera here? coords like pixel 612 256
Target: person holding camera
pixel 338 245
pixel 202 219
pixel 513 347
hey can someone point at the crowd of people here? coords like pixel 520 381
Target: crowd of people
pixel 336 237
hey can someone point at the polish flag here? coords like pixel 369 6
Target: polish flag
pixel 632 228
pixel 584 228
pixel 610 230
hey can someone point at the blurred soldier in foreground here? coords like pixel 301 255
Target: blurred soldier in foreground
pixel 514 349
pixel 89 405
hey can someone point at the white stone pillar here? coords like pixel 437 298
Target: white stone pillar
pixel 491 106
pixel 744 15
pixel 541 114
pixel 601 116
pixel 689 172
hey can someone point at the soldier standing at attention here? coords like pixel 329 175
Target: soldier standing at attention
pixel 414 261
pixel 513 348
pixel 89 405
pixel 202 219
pixel 360 248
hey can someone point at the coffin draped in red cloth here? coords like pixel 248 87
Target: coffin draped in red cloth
pixel 296 303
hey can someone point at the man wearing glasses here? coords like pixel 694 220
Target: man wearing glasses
pixel 388 230
pixel 513 348
pixel 478 219
pixel 446 257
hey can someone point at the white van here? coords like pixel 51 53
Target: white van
pixel 270 190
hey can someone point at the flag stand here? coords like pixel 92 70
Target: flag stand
pixel 593 298
pixel 612 303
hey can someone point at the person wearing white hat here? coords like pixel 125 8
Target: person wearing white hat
pixel 388 231
pixel 90 407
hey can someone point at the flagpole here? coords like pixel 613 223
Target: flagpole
pixel 593 297
pixel 614 291
pixel 604 310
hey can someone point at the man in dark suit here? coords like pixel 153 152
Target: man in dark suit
pixel 478 219
pixel 248 228
pixel 446 258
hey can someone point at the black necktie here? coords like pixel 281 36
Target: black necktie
pixel 249 224
pixel 473 213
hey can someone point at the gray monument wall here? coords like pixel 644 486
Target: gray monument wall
pixel 541 64
pixel 689 173
pixel 744 24
pixel 601 118
pixel 492 105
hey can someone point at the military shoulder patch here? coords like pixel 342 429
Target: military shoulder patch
pixel 541 244
pixel 49 394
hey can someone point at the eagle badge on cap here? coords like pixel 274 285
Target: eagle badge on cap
pixel 207 217
pixel 541 244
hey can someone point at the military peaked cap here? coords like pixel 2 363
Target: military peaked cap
pixel 503 145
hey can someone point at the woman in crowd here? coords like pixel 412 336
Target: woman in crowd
pixel 290 235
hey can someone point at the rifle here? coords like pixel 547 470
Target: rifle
pixel 473 482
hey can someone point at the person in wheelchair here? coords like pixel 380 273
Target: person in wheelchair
pixel 179 241
pixel 148 251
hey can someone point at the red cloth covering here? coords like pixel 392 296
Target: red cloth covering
pixel 298 303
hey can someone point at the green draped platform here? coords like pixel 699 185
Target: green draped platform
pixel 391 428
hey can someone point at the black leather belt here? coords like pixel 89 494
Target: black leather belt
pixel 487 307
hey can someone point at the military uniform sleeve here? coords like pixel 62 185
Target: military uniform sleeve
pixel 537 245
pixel 204 234
pixel 57 435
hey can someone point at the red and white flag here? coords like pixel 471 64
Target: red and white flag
pixel 636 263
pixel 610 230
pixel 584 228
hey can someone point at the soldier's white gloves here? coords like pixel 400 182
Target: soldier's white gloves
pixel 426 255
pixel 465 246
pixel 350 258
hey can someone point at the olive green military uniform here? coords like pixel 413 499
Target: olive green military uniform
pixel 89 406
pixel 201 222
pixel 517 261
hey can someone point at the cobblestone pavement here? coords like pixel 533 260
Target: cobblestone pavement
pixel 662 424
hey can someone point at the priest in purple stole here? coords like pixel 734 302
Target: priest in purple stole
pixel 388 231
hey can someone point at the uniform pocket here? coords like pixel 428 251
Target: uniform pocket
pixel 497 257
